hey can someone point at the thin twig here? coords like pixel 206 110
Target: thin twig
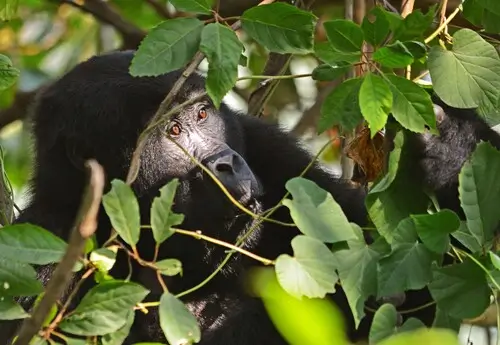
pixel 85 226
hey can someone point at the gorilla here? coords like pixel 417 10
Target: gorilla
pixel 98 110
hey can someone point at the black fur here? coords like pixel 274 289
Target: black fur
pixel 98 110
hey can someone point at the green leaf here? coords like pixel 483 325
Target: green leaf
pixel 223 50
pixel 465 237
pixel 423 336
pixel 18 279
pixel 193 6
pixel 104 309
pixel 384 323
pixel 167 47
pixel 411 324
pixel 316 213
pixel 434 229
pixel 443 320
pixel 408 267
pixel 30 244
pixel 495 260
pixel 411 105
pixel 415 25
pixel 417 49
pixel 482 14
pixel 395 55
pixel 388 203
pixel 169 267
pixel 375 26
pixel 454 287
pixel 468 76
pixel 344 36
pixel 177 322
pixel 311 272
pixel 10 310
pixel 327 72
pixel 280 27
pixel 357 269
pixel 341 106
pixel 327 53
pixel 8 73
pixel 375 101
pixel 162 217
pixel 122 208
pixel 118 337
pixel 479 192
pixel 104 258
pixel 8 10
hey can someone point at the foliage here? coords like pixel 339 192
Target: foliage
pixel 412 233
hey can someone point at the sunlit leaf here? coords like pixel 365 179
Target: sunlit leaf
pixel 162 216
pixel 310 272
pixel 194 6
pixel 223 49
pixel 280 27
pixel 177 322
pixel 375 101
pixel 104 309
pixel 30 244
pixel 8 73
pixel 167 47
pixel 122 208
pixel 316 213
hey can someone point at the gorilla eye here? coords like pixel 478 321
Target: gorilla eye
pixel 202 114
pixel 174 130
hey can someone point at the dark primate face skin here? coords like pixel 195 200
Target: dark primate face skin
pixel 98 110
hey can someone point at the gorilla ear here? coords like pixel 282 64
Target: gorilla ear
pixel 439 112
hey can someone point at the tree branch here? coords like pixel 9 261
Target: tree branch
pixel 85 226
pixel 159 8
pixel 18 109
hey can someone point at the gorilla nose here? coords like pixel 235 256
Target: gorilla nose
pixel 234 173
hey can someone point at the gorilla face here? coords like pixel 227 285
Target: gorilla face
pixel 208 136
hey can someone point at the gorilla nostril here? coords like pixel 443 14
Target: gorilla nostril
pixel 224 168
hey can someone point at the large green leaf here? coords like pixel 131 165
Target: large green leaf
pixel 460 290
pixel 118 337
pixel 395 55
pixel 375 102
pixel 482 14
pixel 412 105
pixel 414 25
pixel 18 279
pixel 316 213
pixel 162 216
pixel 423 336
pixel 30 244
pixel 327 53
pixel 344 36
pixel 177 322
pixel 10 310
pixel 122 208
pixel 479 192
pixel 357 268
pixel 8 73
pixel 341 106
pixel 167 47
pixel 169 267
pixel 388 203
pixel 104 309
pixel 434 229
pixel 468 76
pixel 280 27
pixel 384 323
pixel 408 267
pixel 222 49
pixel 311 272
pixel 194 6
pixel 375 26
